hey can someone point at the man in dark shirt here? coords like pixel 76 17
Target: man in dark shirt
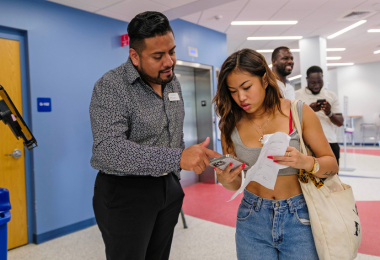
pixel 137 115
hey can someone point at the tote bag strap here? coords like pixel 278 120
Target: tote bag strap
pixel 302 175
pixel 297 124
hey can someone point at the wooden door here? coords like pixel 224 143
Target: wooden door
pixel 12 170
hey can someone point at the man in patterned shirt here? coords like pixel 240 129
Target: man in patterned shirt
pixel 137 115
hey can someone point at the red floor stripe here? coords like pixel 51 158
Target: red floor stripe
pixel 362 151
pixel 369 212
pixel 209 202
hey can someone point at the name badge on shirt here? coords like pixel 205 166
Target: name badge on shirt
pixel 173 97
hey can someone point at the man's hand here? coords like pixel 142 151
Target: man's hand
pixel 196 157
pixel 315 106
pixel 326 107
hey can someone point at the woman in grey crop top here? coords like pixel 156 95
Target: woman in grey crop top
pixel 271 224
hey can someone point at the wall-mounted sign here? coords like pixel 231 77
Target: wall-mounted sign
pixel 44 104
pixel 124 40
pixel 193 52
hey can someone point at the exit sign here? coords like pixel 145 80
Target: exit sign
pixel 124 40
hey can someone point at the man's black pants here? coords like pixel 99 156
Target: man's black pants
pixel 336 150
pixel 137 215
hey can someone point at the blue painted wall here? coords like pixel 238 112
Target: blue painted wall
pixel 69 50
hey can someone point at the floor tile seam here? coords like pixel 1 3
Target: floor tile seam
pixel 205 221
pixel 225 213
pixel 366 154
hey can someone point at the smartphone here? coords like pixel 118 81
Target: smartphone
pixel 223 161
pixel 320 101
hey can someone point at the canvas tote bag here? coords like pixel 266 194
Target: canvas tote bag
pixel 332 210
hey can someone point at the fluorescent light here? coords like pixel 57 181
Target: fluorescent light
pixel 179 62
pixel 333 58
pixel 295 77
pixel 346 29
pixel 270 65
pixel 340 64
pixel 270 51
pixel 335 49
pixel 274 38
pixel 298 50
pixel 263 22
pixel 373 30
pixel 377 52
pixel 265 51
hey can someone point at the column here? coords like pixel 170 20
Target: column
pixel 313 52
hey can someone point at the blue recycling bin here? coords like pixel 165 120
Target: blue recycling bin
pixel 5 217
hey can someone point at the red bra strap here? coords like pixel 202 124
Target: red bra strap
pixel 290 123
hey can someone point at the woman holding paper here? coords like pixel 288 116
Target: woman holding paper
pixel 271 223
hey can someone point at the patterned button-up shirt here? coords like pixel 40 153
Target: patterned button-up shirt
pixel 135 131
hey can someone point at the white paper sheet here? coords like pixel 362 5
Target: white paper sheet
pixel 265 140
pixel 265 171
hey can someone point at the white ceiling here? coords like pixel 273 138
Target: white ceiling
pixel 315 17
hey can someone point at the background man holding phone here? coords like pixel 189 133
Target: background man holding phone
pixel 325 103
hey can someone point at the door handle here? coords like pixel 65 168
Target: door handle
pixel 16 153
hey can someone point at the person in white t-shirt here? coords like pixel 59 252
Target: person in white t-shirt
pixel 325 103
pixel 282 66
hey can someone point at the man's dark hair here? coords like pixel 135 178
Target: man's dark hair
pixel 313 69
pixel 277 50
pixel 146 25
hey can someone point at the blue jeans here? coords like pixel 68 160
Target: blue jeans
pixel 274 229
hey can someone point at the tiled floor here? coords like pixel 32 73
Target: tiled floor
pixel 211 221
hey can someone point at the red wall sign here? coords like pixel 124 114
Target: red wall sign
pixel 124 40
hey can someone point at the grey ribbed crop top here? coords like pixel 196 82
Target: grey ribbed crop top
pixel 250 155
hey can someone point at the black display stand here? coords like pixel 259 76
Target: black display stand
pixel 183 219
pixel 11 117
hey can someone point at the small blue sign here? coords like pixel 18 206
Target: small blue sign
pixel 193 52
pixel 44 104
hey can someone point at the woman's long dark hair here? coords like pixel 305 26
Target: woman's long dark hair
pixel 230 113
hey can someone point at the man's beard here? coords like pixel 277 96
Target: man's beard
pixel 283 72
pixel 314 93
pixel 158 80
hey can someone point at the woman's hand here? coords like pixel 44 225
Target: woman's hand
pixel 295 159
pixel 227 176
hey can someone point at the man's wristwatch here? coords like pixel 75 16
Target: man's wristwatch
pixel 315 166
pixel 330 115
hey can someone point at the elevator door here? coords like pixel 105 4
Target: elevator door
pixel 186 77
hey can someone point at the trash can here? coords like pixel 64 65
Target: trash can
pixel 5 217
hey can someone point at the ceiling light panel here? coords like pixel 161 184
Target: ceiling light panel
pixel 295 77
pixel 333 58
pixel 271 50
pixel 374 31
pixel 335 49
pixel 298 50
pixel 264 22
pixel 377 52
pixel 340 64
pixel 347 29
pixel 271 38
